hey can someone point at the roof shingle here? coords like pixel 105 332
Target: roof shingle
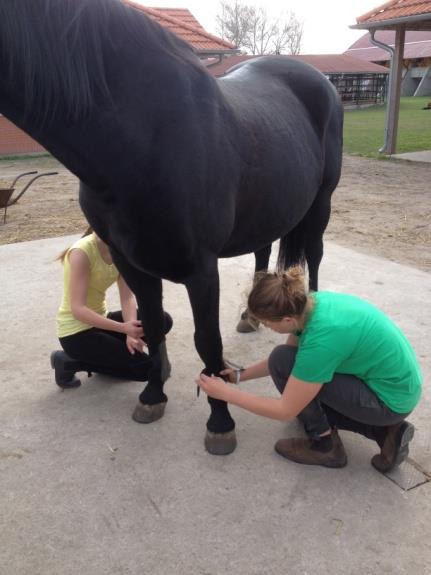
pixel 182 23
pixel 395 10
pixel 417 45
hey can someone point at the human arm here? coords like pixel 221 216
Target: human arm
pixel 128 309
pixel 78 289
pixel 296 396
pixel 259 369
pixel 256 370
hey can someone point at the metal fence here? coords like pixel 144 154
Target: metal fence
pixel 360 89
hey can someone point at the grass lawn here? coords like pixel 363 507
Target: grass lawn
pixel 364 128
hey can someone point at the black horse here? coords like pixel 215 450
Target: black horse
pixel 177 169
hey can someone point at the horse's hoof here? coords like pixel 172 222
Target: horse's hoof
pixel 148 413
pixel 247 324
pixel 220 443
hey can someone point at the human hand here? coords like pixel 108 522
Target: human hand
pixel 133 329
pixel 213 386
pixel 230 374
pixel 135 344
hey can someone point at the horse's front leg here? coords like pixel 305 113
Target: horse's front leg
pixel 204 292
pixel 148 293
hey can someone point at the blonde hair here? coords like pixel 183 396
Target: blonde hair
pixel 63 254
pixel 278 295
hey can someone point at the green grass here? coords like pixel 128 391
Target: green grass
pixel 364 128
pixel 25 157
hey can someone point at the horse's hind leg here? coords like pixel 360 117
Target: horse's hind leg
pixel 148 293
pixel 317 220
pixel 247 324
pixel 304 243
pixel 317 217
pixel 203 290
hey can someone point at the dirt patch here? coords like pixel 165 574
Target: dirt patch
pixel 383 207
pixel 380 207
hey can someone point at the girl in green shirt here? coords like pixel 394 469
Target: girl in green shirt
pixel 345 365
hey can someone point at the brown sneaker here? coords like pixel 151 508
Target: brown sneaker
pixel 395 446
pixel 301 450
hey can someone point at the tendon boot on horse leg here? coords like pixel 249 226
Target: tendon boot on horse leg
pixel 248 324
pixel 152 401
pixel 203 290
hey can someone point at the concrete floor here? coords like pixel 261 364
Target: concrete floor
pixel 424 156
pixel 85 490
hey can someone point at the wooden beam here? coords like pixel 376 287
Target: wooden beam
pixel 395 92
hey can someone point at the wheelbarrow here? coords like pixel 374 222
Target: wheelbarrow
pixel 6 199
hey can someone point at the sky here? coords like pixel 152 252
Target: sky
pixel 326 22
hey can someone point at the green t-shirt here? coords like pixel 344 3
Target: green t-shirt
pixel 345 334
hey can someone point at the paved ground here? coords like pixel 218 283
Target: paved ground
pixel 424 156
pixel 84 489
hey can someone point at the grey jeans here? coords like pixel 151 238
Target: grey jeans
pixel 346 402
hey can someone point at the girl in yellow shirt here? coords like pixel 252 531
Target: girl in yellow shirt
pixel 93 339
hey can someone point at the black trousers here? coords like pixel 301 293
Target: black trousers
pixel 346 402
pixel 105 352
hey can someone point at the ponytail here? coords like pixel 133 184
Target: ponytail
pixel 278 295
pixel 61 257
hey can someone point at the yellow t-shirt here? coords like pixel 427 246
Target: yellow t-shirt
pixel 102 276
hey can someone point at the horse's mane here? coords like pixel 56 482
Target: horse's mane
pixel 55 49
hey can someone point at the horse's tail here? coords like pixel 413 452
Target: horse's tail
pixel 292 248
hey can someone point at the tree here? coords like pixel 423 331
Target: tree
pixel 250 28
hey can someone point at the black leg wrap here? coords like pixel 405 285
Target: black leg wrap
pixel 153 393
pixel 159 372
pixel 160 369
pixel 220 420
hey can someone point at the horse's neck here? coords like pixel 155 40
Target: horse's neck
pixel 142 85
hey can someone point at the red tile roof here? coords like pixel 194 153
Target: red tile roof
pixel 412 12
pixel 182 14
pixel 326 63
pixel 182 23
pixel 417 45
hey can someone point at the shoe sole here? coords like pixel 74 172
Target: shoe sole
pixel 407 434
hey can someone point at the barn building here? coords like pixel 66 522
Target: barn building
pixel 416 74
pixel 357 81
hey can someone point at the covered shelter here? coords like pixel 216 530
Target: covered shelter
pixel 399 16
pixel 416 77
